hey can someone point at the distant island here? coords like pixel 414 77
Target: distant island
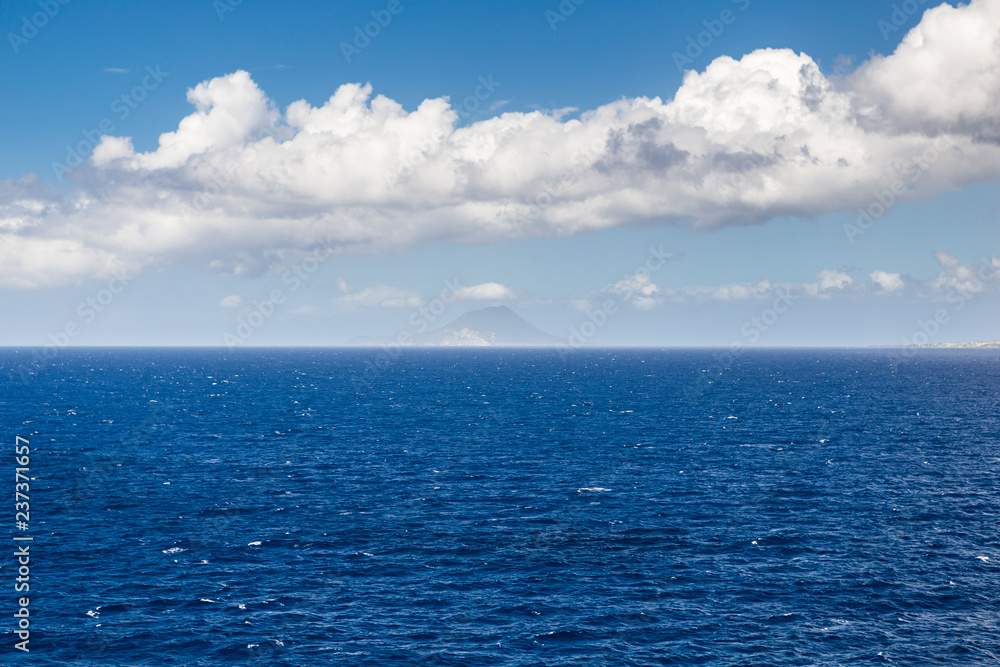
pixel 986 343
pixel 968 345
pixel 495 326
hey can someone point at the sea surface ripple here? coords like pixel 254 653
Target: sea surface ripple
pixel 508 507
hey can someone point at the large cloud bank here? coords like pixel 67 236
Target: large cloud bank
pixel 241 185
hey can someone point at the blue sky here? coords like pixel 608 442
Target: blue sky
pixel 750 172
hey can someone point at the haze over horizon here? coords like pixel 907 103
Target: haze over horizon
pixel 740 171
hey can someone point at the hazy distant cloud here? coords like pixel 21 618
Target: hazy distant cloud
pixel 485 292
pixel 833 279
pixel 639 290
pixel 381 296
pixel 117 70
pixel 965 279
pixel 241 185
pixel 954 277
pixel 887 282
pixel 830 282
pixel 758 289
pixel 232 301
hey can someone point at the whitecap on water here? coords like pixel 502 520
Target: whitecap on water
pixel 173 550
pixel 254 544
pixel 595 489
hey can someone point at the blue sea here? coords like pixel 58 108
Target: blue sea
pixel 505 507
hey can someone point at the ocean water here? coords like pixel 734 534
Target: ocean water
pixel 506 507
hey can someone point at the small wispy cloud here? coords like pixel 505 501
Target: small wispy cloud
pixel 117 70
pixel 380 296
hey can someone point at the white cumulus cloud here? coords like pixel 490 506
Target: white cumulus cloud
pixel 485 292
pixel 887 282
pixel 944 75
pixel 833 279
pixel 240 185
pixel 963 279
pixel 232 301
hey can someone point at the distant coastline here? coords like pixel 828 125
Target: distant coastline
pixel 970 345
